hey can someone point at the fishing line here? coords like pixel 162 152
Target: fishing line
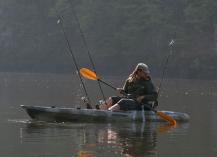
pixel 165 65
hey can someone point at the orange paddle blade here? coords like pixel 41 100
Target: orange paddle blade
pixel 167 118
pixel 88 74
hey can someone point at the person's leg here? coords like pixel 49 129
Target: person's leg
pixel 106 105
pixel 110 102
pixel 124 105
pixel 115 107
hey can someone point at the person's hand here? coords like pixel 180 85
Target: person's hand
pixel 120 90
pixel 140 98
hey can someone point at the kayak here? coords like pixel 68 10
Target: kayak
pixel 62 114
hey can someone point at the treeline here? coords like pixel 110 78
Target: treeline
pixel 119 34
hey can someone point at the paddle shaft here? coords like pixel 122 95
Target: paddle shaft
pixel 123 92
pixel 107 84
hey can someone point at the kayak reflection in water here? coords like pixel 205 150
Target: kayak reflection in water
pixel 128 139
pixel 137 90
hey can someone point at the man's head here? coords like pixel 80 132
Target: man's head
pixel 143 67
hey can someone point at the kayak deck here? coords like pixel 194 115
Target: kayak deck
pixel 61 114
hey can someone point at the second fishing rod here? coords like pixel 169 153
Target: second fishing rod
pixel 86 46
pixel 60 21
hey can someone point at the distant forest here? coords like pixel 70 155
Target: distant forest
pixel 119 34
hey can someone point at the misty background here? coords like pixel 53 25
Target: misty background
pixel 119 34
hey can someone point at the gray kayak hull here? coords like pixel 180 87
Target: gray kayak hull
pixel 61 114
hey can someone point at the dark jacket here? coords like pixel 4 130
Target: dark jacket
pixel 141 87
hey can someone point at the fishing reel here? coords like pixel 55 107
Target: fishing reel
pixel 86 102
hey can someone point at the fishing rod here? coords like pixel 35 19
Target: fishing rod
pixel 87 47
pixel 171 44
pixel 60 21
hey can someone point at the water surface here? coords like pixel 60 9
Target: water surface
pixel 22 137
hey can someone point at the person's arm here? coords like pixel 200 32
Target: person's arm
pixel 147 97
pixel 124 89
pixel 151 97
pixel 152 93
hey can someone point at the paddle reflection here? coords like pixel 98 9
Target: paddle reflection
pixel 86 154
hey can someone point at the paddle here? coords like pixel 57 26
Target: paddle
pixel 92 76
pixel 87 73
pixel 162 115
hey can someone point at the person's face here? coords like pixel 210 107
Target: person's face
pixel 142 74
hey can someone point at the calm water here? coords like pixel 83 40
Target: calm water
pixel 21 137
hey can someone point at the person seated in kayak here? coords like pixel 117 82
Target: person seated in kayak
pixel 137 90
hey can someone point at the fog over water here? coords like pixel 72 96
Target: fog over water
pixel 119 34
